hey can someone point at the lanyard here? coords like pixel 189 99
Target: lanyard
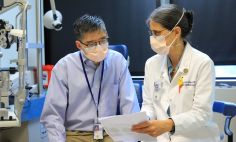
pixel 86 77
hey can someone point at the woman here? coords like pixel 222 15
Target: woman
pixel 179 82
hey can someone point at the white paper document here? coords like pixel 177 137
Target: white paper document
pixel 119 127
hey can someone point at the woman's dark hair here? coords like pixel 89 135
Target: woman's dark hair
pixel 88 23
pixel 169 15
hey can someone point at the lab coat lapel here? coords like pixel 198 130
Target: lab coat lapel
pixel 185 63
pixel 164 71
pixel 182 71
pixel 166 83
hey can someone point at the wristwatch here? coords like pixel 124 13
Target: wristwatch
pixel 172 131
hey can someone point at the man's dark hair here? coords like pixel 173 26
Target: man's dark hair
pixel 88 23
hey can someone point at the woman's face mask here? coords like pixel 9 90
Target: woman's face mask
pixel 96 53
pixel 158 44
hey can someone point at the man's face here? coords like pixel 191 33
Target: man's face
pixel 92 39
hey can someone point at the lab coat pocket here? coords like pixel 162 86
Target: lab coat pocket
pixel 187 96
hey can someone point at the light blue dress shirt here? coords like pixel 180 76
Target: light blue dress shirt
pixel 69 105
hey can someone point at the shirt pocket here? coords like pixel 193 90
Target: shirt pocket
pixel 110 93
pixel 109 99
pixel 114 89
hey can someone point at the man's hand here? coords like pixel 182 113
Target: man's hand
pixel 153 127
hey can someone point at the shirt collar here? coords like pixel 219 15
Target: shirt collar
pixel 170 66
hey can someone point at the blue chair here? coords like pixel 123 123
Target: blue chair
pixel 138 88
pixel 229 111
pixel 120 48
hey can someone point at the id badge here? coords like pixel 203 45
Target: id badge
pixel 158 85
pixel 97 131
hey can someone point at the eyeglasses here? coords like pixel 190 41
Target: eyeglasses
pixel 92 44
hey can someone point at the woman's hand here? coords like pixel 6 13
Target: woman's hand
pixel 153 127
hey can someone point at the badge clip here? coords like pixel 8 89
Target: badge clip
pixel 157 85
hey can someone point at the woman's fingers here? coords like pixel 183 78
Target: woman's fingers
pixel 140 125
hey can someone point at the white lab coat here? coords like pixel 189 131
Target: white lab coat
pixel 191 106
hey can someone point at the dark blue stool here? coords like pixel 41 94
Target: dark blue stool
pixel 229 111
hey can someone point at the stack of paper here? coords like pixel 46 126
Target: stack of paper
pixel 119 127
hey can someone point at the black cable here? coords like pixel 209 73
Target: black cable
pixel 17 44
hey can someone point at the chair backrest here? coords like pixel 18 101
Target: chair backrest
pixel 138 84
pixel 121 48
pixel 138 89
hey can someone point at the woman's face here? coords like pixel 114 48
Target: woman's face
pixel 157 30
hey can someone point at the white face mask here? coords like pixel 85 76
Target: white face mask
pixel 158 44
pixel 97 53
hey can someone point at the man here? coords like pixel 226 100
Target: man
pixel 91 83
